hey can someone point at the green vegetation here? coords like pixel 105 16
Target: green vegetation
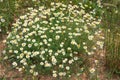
pixel 7 9
pixel 111 24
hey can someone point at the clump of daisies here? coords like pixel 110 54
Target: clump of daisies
pixel 51 40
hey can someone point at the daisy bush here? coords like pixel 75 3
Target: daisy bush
pixel 51 40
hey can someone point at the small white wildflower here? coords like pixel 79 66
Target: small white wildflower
pixel 31 71
pixel 14 64
pixel 27 56
pixel 90 37
pixel 60 73
pixel 56 54
pixel 49 44
pixel 65 60
pixel 70 61
pixel 50 51
pixel 35 73
pixel 41 63
pixel 52 3
pixel 4 51
pixel 21 49
pixel 23 44
pixel 33 66
pixel 61 66
pixel 2 20
pixel 57 37
pixel 41 43
pixel 85 47
pixel 96 61
pixel 67 68
pixel 75 58
pixel 15 51
pixel 47 65
pixel 92 70
pixel 50 39
pixel 69 75
pixel 20 69
pixel 54 61
pixel 69 48
pixel 29 45
pixel 54 71
pixel 100 43
pixel 4 41
pixel 22 17
pixel 21 55
pixel 36 44
pixel 61 45
pixel 33 40
pixel 90 53
pixel 5 58
pixel 54 75
pixel 94 48
pixel 10 51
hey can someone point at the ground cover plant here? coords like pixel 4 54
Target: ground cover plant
pixel 51 40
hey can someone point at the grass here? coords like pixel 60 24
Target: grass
pixel 112 35
pixel 7 9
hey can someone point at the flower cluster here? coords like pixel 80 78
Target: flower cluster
pixel 51 40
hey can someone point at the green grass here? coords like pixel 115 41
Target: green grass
pixel 7 8
pixel 112 34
